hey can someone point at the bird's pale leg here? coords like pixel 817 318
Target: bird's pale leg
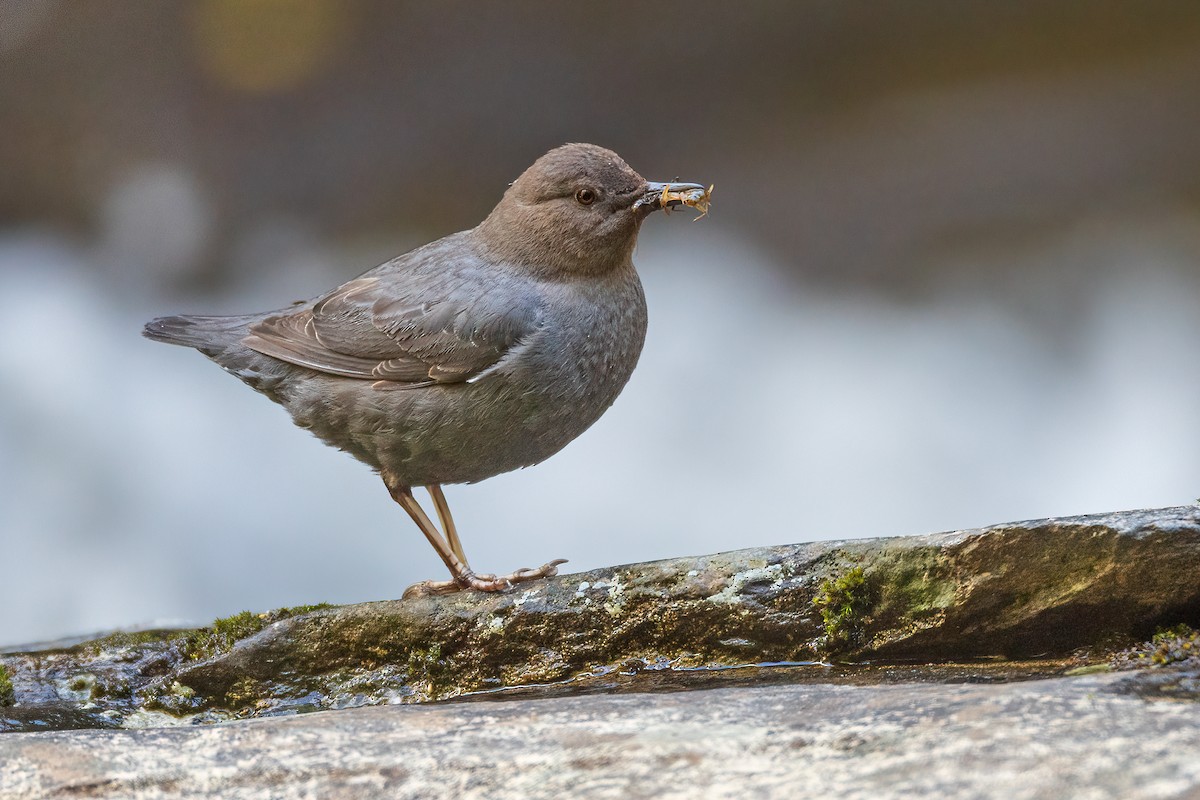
pixel 443 511
pixel 463 576
pixel 519 576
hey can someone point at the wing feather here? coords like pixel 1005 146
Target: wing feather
pixel 432 316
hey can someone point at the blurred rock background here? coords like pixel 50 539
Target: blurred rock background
pixel 950 278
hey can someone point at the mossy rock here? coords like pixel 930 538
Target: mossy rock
pixel 1042 589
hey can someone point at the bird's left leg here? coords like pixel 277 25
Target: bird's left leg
pixel 443 511
pixel 463 577
pixel 519 576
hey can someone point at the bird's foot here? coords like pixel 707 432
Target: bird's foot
pixel 430 588
pixel 483 583
pixel 526 574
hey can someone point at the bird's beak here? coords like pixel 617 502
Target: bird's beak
pixel 667 195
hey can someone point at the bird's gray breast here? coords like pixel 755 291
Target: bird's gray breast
pixel 586 350
pixel 570 371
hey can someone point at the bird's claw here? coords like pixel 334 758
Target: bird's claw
pixel 483 583
pixel 544 571
pixel 430 588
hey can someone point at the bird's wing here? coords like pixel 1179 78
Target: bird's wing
pixel 412 322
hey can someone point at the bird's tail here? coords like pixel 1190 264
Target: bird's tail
pixel 202 333
pixel 220 338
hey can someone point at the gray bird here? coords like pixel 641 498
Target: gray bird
pixel 479 353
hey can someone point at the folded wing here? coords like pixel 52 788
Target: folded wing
pixel 415 321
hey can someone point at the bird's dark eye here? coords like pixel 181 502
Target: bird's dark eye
pixel 585 196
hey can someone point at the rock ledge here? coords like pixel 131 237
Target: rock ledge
pixel 1061 590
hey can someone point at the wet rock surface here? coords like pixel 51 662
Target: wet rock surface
pixel 981 603
pixel 1064 737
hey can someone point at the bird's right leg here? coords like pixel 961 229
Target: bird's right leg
pixel 463 576
pixel 513 578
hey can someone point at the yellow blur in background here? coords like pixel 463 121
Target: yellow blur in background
pixel 267 45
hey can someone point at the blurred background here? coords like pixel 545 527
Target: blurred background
pixel 951 277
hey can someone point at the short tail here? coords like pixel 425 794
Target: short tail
pixel 203 333
pixel 220 338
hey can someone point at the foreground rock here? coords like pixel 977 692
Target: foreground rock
pixel 1066 737
pixel 1058 589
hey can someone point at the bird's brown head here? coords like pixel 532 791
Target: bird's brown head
pixel 576 210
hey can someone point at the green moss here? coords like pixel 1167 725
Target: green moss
pixel 900 591
pixel 841 601
pixel 228 630
pixel 296 611
pixel 1180 631
pixel 225 632
pixel 7 696
pixel 200 643
pixel 1169 646
pixel 908 589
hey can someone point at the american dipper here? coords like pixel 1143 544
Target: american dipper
pixel 479 353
